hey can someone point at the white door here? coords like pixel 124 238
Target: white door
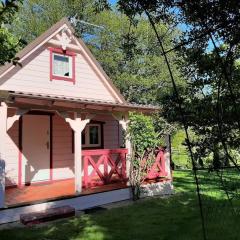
pixel 36 148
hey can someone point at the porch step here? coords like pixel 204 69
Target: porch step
pixel 47 215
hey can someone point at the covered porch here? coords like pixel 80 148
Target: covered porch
pixel 104 171
pixel 82 151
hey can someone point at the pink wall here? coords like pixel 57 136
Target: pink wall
pixel 11 153
pixel 63 159
pixel 62 147
pixel 63 163
pixel 34 77
pixel 112 134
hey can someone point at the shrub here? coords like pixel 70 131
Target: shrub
pixel 144 140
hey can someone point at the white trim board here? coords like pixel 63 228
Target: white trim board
pixel 79 203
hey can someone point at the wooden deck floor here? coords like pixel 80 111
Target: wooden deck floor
pixel 49 191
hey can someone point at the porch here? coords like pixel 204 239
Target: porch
pixel 54 148
pixel 57 190
pixel 103 170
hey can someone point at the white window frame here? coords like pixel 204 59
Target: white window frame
pixel 70 62
pixel 87 136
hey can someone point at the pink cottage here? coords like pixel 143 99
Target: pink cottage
pixel 61 124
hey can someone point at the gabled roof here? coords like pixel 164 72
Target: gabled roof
pixel 30 47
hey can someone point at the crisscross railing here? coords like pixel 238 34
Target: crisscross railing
pixel 158 169
pixel 103 166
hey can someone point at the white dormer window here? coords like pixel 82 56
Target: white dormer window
pixel 62 65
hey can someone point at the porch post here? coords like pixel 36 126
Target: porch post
pixel 123 120
pixel 77 125
pixel 167 164
pixel 128 145
pixel 168 155
pixel 3 132
pixel 78 154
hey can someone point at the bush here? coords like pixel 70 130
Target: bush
pixel 144 140
pixel 142 133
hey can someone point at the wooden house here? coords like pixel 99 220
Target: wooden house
pixel 61 125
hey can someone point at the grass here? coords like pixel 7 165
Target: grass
pixel 173 218
pixel 179 151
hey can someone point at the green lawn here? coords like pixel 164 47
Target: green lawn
pixel 180 155
pixel 172 218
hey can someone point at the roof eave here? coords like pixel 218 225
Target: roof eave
pixel 13 97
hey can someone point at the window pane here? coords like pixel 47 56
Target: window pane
pixel 61 66
pixel 83 137
pixel 93 132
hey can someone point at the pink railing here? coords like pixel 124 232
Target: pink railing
pixel 158 168
pixel 104 166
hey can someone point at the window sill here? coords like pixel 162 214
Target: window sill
pixel 63 79
pixel 92 148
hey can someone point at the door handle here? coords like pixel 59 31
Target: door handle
pixel 47 144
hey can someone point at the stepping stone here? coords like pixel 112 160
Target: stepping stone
pixel 47 215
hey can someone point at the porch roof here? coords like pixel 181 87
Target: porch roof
pixel 52 102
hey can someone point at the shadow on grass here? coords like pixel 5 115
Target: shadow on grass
pixel 146 219
pixel 173 218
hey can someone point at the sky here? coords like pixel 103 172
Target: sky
pixel 112 1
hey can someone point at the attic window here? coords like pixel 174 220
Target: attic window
pixel 62 65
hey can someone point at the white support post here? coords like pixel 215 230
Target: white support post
pixel 78 152
pixel 167 156
pixel 167 164
pixel 3 132
pixel 123 121
pixel 77 125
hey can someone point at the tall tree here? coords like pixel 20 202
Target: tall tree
pixel 128 52
pixel 130 55
pixel 9 44
pixel 209 46
pixel 36 16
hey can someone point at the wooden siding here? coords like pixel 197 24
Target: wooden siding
pixel 11 154
pixel 112 131
pixel 34 77
pixel 63 159
pixel 63 163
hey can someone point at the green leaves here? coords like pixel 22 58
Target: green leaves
pixel 209 52
pixel 7 10
pixel 9 44
pixel 130 55
pixel 142 133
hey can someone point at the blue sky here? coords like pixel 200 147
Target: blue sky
pixel 112 1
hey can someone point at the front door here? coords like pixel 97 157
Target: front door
pixel 35 148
